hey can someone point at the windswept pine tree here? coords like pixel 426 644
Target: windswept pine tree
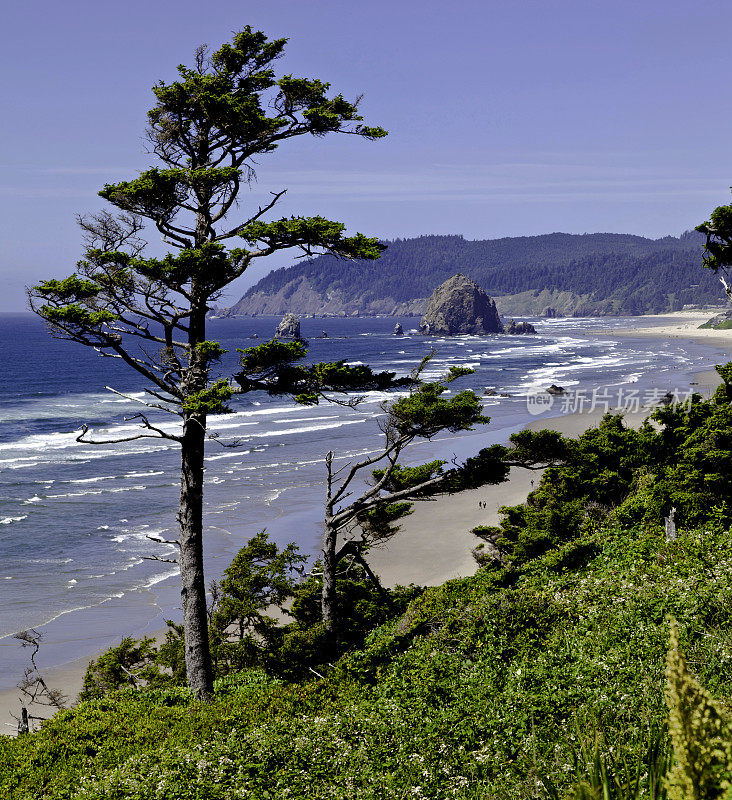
pixel 206 130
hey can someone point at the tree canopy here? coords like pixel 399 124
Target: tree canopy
pixel 208 131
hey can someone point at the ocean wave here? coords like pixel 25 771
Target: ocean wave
pixel 163 576
pixel 118 490
pixel 67 450
pixel 305 429
pixel 144 474
pixel 140 534
pixel 11 520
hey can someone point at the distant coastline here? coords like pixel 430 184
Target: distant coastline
pixel 588 275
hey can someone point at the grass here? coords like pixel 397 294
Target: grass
pixel 722 326
pixel 486 687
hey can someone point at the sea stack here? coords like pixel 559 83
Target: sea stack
pixel 289 328
pixel 459 305
pixel 398 330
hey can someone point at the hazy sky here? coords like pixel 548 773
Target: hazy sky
pixel 506 117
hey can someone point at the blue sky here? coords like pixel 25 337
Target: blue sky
pixel 506 118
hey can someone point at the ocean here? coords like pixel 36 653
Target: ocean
pixel 77 520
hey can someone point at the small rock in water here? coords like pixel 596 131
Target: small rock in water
pixel 514 327
pixel 398 330
pixel 289 328
pixel 554 389
pixel 323 335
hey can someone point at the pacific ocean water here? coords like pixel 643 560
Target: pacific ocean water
pixel 77 520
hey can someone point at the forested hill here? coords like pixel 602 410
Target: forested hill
pixel 598 273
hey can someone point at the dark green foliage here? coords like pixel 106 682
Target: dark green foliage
pixel 458 372
pixel 406 477
pixel 211 400
pixel 424 412
pixel 308 233
pixel 487 467
pixel 718 232
pixel 272 366
pixel 378 522
pixel 621 274
pixel 633 477
pixel 260 578
pixel 363 606
pixel 131 663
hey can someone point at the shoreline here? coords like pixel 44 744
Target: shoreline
pixel 676 325
pixel 434 545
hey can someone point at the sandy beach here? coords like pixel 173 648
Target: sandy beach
pixel 435 543
pixel 679 325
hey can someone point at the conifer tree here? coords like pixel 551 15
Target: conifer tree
pixel 718 246
pixel 206 128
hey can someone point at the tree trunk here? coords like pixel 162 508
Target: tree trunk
pixel 329 598
pixel 199 671
pixel 193 588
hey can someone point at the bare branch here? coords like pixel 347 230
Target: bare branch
pixel 260 211
pixel 164 560
pixel 358 466
pixel 143 402
pixel 157 433
pixel 162 541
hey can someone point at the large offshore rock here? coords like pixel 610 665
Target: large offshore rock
pixel 289 328
pixel 460 306
pixel 398 330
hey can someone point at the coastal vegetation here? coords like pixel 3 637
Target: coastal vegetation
pixel 589 655
pixel 545 674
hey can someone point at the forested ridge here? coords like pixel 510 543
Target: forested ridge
pixel 604 273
